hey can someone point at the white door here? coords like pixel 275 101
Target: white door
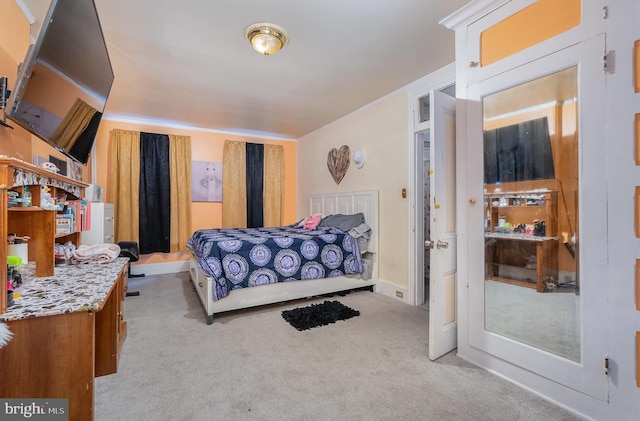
pixel 442 280
pixel 562 337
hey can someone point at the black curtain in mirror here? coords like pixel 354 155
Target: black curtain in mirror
pixel 155 193
pixel 255 181
pixel 83 145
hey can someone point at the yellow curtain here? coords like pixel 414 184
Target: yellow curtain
pixel 234 185
pixel 273 189
pixel 74 123
pixel 180 173
pixel 124 183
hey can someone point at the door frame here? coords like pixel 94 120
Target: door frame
pixel 438 80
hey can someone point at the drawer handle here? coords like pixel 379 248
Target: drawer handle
pixel 200 284
pixel 193 270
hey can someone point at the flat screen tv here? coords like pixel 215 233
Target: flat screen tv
pixel 64 82
pixel 519 152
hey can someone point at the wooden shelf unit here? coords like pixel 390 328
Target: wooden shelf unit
pixel 508 253
pixel 35 222
pixel 520 210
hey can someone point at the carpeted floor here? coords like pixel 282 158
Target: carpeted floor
pixel 252 365
pixel 549 321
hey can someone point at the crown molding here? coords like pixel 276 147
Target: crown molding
pixel 475 10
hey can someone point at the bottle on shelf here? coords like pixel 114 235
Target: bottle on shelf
pixel 26 195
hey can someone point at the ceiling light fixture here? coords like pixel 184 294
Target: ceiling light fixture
pixel 266 38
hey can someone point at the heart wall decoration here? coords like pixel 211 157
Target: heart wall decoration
pixel 338 162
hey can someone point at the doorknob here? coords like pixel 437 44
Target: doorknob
pixel 442 244
pixel 428 244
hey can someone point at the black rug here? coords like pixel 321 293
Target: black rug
pixel 315 315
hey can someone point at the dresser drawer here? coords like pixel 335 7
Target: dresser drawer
pixel 109 224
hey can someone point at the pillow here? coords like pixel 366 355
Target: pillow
pixel 343 222
pixel 311 222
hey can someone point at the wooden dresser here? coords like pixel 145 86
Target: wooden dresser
pixel 67 329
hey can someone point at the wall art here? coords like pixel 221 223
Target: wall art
pixel 206 181
pixel 338 162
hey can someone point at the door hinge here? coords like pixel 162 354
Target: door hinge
pixel 606 366
pixel 609 62
pixel 605 12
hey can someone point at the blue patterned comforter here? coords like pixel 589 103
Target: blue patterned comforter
pixel 245 257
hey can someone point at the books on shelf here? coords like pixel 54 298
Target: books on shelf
pixel 74 217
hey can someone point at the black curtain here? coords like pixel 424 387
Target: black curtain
pixel 255 180
pixel 155 193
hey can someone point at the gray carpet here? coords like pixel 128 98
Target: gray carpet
pixel 253 365
pixel 549 320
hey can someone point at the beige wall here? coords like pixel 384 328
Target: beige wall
pixel 381 129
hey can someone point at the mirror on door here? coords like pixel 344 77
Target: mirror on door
pixel 532 284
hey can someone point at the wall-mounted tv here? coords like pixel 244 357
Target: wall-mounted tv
pixel 519 152
pixel 64 82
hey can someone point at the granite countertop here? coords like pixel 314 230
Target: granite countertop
pixel 72 288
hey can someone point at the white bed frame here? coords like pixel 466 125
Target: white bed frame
pixel 331 203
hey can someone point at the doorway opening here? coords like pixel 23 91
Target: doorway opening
pixel 424 145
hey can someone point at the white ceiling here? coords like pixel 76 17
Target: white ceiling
pixel 187 62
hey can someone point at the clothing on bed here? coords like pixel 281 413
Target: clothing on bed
pixel 244 257
pixel 363 234
pixel 342 222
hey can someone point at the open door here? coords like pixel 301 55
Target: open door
pixel 442 284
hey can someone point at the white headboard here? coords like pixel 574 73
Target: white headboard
pixel 349 203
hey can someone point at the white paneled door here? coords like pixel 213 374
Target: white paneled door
pixel 442 280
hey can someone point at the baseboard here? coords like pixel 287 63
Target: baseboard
pixel 392 290
pixel 159 268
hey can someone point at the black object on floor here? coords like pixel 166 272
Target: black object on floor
pixel 315 315
pixel 130 249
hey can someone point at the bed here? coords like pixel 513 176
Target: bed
pixel 264 289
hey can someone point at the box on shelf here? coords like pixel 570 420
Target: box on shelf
pixel 64 225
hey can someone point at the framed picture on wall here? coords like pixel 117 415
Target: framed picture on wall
pixel 206 181
pixel 74 169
